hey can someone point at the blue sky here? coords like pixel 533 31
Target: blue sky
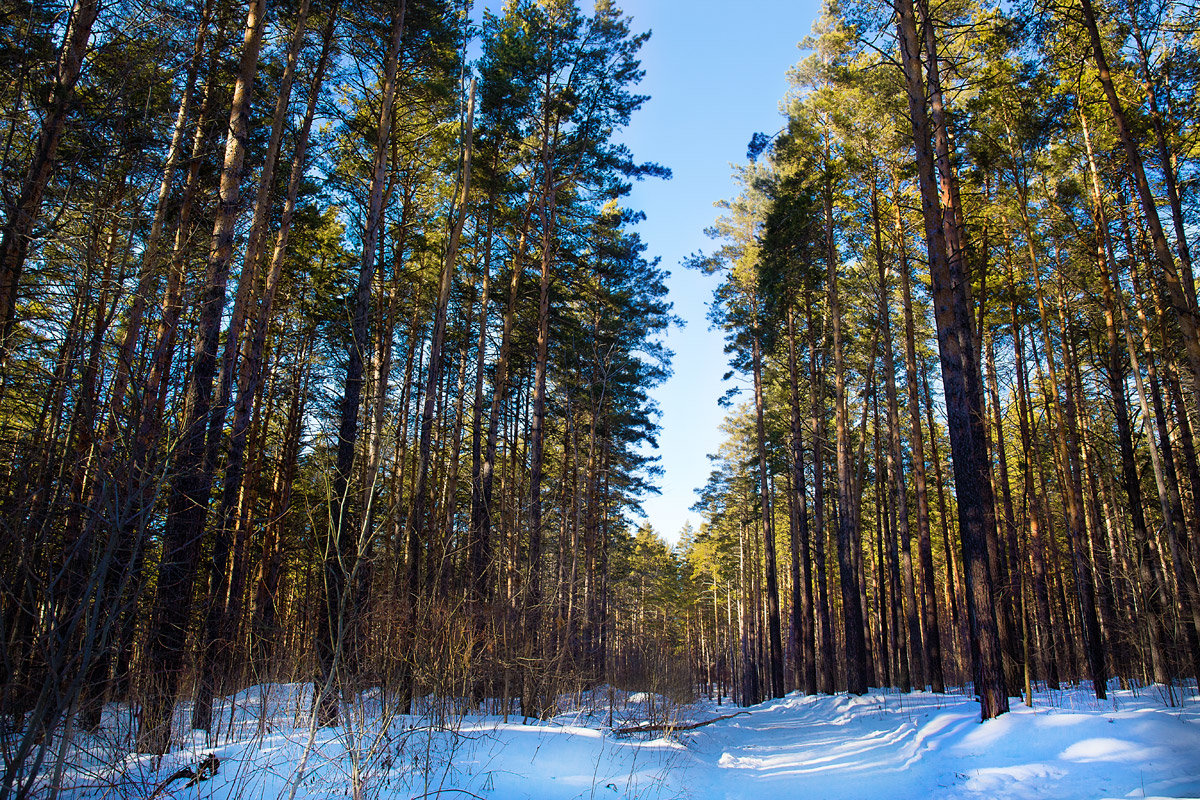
pixel 716 73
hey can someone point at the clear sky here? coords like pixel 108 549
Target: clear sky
pixel 716 73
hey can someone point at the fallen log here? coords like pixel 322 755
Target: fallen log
pixel 671 727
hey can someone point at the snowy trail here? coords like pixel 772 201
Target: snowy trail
pixel 882 745
pixel 922 745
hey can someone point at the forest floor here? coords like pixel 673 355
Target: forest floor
pixel 881 745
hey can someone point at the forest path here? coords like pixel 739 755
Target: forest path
pixel 926 745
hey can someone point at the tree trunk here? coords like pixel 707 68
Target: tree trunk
pixel 416 529
pixel 479 555
pixel 774 633
pixel 1186 605
pixel 801 560
pixel 190 490
pixel 960 379
pixel 895 457
pixel 153 252
pixel 342 549
pixel 1064 438
pixel 225 573
pixel 933 639
pixel 827 658
pixel 852 609
pixel 481 508
pixel 533 596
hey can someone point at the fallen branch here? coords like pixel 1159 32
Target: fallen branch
pixel 667 726
pixel 186 772
pixel 207 767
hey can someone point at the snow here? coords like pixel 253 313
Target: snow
pixel 881 745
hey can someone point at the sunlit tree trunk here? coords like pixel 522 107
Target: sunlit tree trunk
pixel 852 607
pixel 960 377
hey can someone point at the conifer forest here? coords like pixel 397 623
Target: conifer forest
pixel 331 351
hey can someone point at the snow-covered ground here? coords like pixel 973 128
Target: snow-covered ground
pixel 882 745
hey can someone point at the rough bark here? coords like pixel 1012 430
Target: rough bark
pixel 961 379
